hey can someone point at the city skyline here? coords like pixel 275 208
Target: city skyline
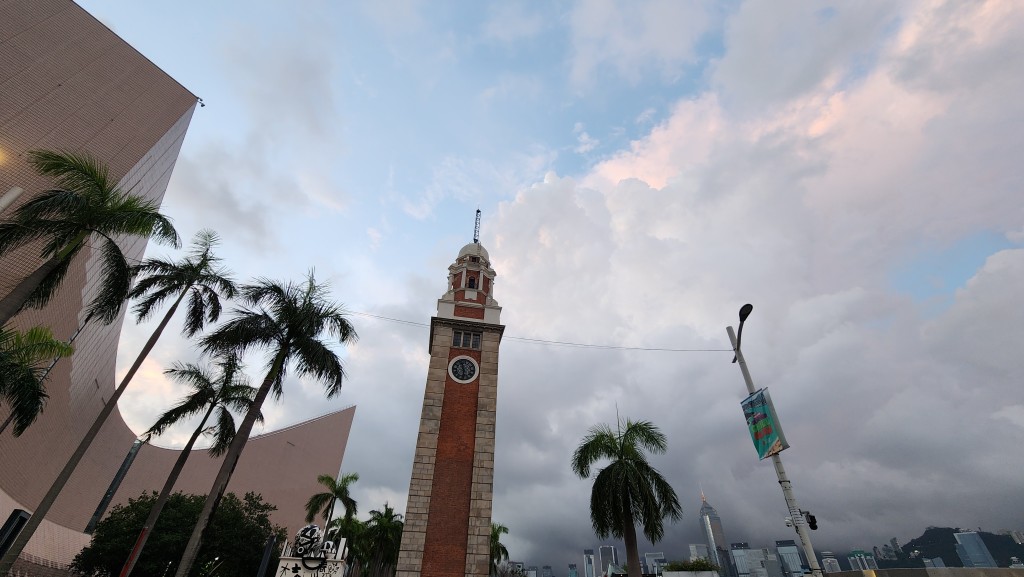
pixel 643 171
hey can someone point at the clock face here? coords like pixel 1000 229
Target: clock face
pixel 463 370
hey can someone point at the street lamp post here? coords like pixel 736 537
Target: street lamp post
pixel 799 521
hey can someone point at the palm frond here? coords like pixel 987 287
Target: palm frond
pixel 315 359
pixel 50 283
pixel 25 394
pixel 224 432
pixel 73 171
pixel 116 283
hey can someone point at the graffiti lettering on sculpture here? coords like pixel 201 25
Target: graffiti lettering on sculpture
pixel 312 555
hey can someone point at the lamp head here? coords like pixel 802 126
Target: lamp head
pixel 745 311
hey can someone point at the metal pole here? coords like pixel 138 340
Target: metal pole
pixel 799 523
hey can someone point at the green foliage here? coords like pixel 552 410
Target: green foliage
pixel 628 490
pixel 22 360
pixel 698 564
pixel 237 534
pixel 337 490
pixel 499 553
pixel 86 209
pixel 373 545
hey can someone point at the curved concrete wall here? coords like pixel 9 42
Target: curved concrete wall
pixel 69 83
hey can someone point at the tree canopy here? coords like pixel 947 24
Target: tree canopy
pixel 236 535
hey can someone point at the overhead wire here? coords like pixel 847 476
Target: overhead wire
pixel 556 343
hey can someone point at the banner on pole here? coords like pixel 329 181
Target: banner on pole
pixel 765 430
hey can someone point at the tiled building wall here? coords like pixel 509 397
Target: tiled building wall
pixel 69 83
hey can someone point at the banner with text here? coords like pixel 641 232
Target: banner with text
pixel 765 430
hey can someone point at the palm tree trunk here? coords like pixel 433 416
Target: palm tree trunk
pixel 188 558
pixel 12 303
pixel 7 421
pixel 161 500
pixel 632 554
pixel 58 484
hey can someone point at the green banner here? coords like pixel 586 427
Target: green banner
pixel 765 430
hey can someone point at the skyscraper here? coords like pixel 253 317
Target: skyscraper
pixel 860 560
pixel 589 565
pixel 829 563
pixel 699 551
pixel 573 571
pixel 711 526
pixel 789 555
pixel 654 562
pixel 972 550
pixel 609 556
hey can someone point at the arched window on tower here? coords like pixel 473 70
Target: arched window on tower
pixel 472 282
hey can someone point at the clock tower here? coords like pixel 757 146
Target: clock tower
pixel 448 516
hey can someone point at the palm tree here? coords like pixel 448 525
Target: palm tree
pixel 21 377
pixel 198 275
pixel 337 490
pixel 498 551
pixel 86 205
pixel 383 536
pixel 222 393
pixel 629 490
pixel 289 320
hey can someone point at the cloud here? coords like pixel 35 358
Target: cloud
pixel 631 38
pixel 510 22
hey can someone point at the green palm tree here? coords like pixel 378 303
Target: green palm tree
pixel 498 551
pixel 337 490
pixel 198 274
pixel 221 393
pixel 290 321
pixel 628 490
pixel 86 207
pixel 22 377
pixel 383 536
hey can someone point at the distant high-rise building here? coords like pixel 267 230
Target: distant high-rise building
pixel 573 572
pixel 878 553
pixel 547 571
pixel 609 556
pixel 711 526
pixel 789 555
pixel 972 550
pixel 654 562
pixel 934 562
pixel 589 565
pixel 738 554
pixel 532 571
pixel 829 563
pixel 1017 536
pixel 699 551
pixel 896 547
pixel 860 560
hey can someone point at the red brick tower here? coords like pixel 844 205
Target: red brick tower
pixel 448 517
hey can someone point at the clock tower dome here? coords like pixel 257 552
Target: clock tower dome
pixel 448 516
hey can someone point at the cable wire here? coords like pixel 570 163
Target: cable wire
pixel 556 343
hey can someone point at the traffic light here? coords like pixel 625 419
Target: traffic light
pixel 811 522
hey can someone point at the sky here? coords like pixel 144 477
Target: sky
pixel 644 168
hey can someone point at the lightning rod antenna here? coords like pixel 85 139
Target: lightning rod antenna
pixel 476 228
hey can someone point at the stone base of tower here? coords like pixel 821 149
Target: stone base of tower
pixel 448 515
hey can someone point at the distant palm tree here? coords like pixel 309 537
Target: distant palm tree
pixel 629 490
pixel 87 206
pixel 383 536
pixel 197 274
pixel 498 551
pixel 289 320
pixel 337 490
pixel 21 376
pixel 223 393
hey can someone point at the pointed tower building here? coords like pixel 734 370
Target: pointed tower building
pixel 711 527
pixel 448 517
